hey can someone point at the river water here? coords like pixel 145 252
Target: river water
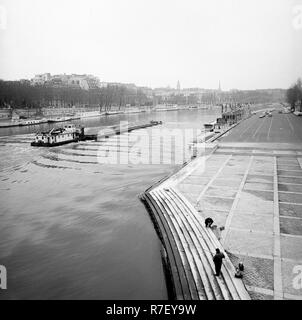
pixel 71 225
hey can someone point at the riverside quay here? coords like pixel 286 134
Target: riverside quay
pixel 248 184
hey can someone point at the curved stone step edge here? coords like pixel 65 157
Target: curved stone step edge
pixel 218 286
pixel 227 265
pixel 174 271
pixel 178 250
pixel 213 243
pixel 193 251
pixel 208 251
pixel 207 275
pixel 190 251
pixel 225 282
pixel 181 249
pixel 207 268
pixel 183 281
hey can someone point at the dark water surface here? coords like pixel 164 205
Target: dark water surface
pixel 74 228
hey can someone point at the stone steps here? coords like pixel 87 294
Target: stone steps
pixel 190 248
pixel 186 277
pixel 206 252
pixel 185 249
pixel 204 275
pixel 234 285
pixel 176 269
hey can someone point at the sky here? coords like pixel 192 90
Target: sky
pixel 246 44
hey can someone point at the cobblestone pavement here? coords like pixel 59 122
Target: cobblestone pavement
pixel 255 193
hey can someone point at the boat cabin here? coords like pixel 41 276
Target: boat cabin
pixel 58 136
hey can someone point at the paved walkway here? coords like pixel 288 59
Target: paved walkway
pixel 188 246
pixel 254 191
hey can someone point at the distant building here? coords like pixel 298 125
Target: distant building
pixel 129 86
pixel 40 79
pixel 164 92
pixel 86 82
pixel 178 86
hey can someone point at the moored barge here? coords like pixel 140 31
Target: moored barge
pixel 58 136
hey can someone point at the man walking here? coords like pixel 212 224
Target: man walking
pixel 218 261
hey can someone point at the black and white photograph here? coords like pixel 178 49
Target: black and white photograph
pixel 151 151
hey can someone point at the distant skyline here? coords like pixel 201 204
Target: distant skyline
pixel 244 44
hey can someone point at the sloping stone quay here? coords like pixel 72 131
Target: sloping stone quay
pixel 250 183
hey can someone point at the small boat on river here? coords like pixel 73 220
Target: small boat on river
pixel 58 136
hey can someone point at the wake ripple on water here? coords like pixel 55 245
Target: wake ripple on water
pixel 15 153
pixel 103 151
pixel 72 226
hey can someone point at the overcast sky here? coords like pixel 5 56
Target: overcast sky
pixel 246 44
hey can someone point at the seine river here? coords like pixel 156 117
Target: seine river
pixel 72 226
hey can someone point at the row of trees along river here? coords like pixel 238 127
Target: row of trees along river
pixel 16 94
pixel 19 94
pixel 294 95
